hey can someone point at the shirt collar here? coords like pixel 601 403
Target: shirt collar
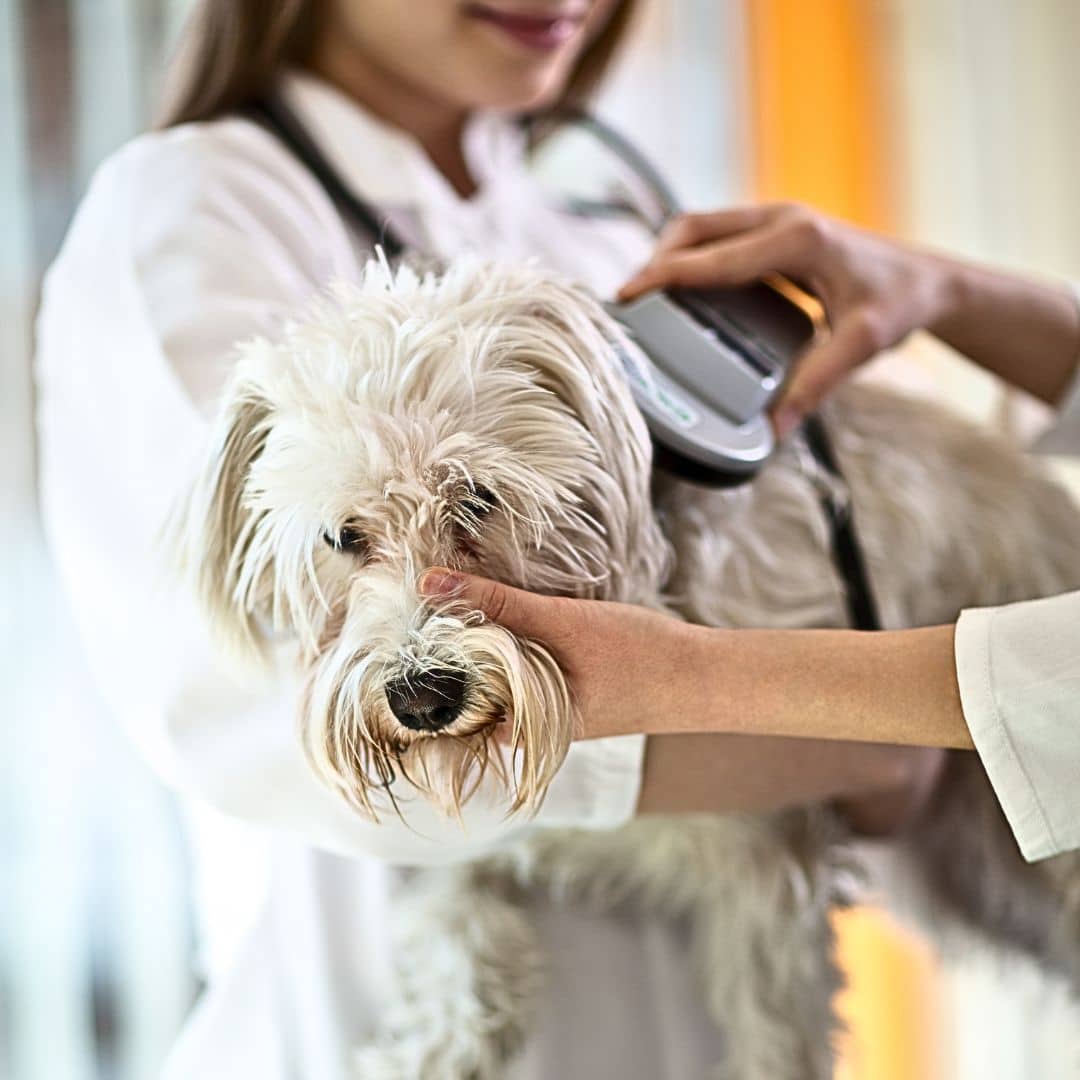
pixel 387 167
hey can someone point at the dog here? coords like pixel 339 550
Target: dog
pixel 477 417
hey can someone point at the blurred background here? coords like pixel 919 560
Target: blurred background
pixel 945 121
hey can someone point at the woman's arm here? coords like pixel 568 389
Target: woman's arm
pixel 635 670
pixel 1023 330
pixel 711 694
pixel 878 787
pixel 896 686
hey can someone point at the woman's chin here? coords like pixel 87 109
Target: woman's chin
pixel 530 89
pixel 517 86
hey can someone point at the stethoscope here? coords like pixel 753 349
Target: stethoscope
pixel 275 116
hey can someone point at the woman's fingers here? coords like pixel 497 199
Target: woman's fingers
pixel 867 285
pixel 854 340
pixel 689 230
pixel 520 612
pixel 732 247
pixel 728 262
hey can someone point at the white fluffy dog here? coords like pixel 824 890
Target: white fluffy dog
pixel 478 418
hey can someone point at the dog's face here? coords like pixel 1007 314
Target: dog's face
pixel 475 420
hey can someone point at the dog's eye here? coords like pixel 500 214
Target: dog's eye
pixel 481 501
pixel 348 539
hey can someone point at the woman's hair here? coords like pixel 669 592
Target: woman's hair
pixel 234 49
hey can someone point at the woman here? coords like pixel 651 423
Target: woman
pixel 1004 681
pixel 208 231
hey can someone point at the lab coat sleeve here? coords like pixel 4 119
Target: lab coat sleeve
pixel 1019 673
pixel 181 248
pixel 1018 668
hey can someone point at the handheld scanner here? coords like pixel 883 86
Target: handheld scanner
pixel 713 360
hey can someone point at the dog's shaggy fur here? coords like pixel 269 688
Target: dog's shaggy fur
pixel 479 419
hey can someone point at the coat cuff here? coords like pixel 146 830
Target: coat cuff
pixel 990 733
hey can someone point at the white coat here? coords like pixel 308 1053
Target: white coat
pixel 1019 675
pixel 187 241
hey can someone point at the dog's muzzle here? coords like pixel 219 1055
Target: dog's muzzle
pixel 427 701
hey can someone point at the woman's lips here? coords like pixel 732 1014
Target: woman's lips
pixel 534 30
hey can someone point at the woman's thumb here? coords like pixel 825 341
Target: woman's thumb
pixel 520 612
pixel 821 370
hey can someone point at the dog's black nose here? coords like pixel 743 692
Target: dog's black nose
pixel 428 700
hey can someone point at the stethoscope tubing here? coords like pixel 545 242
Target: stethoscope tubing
pixel 273 114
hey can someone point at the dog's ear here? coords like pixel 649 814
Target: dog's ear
pixel 576 355
pixel 585 371
pixel 217 524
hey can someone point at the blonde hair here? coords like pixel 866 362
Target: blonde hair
pixel 232 50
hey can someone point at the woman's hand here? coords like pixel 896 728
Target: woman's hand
pixel 629 667
pixel 875 291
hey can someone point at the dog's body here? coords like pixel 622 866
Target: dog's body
pixel 480 420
